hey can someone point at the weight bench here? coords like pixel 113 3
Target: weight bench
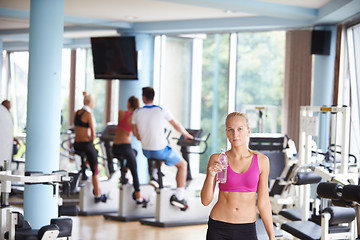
pixel 331 217
pixel 301 178
pixel 336 222
pixel 59 228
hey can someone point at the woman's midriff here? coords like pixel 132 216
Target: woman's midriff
pixel 82 134
pixel 235 207
pixel 122 137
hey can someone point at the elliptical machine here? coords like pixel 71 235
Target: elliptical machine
pixel 168 215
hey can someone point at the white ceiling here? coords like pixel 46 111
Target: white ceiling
pixel 149 10
pixel 86 18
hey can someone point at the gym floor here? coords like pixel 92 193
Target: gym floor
pixel 98 228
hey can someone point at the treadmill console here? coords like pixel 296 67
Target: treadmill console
pixel 197 133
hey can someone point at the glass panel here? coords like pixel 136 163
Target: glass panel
pixel 65 88
pixel 214 93
pixel 176 81
pixel 260 75
pixel 4 77
pixel 97 88
pixel 351 87
pixel 356 66
pixel 19 63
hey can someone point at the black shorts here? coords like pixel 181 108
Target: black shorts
pixel 218 230
pixel 125 151
pixel 91 154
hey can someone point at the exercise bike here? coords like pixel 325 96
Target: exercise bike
pixel 108 187
pixel 128 209
pixel 82 192
pixel 168 215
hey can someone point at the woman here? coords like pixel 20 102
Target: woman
pixel 84 141
pixel 122 144
pixel 234 214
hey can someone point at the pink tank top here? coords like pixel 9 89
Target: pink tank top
pixel 242 182
pixel 123 123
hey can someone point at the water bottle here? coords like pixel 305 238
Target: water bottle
pixel 221 176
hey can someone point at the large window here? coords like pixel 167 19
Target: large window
pixel 15 76
pixel 17 88
pixel 97 88
pixel 260 75
pixel 175 83
pixel 349 85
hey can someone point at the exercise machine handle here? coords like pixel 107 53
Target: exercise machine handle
pixel 196 142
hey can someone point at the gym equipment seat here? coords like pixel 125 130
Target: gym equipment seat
pixel 58 228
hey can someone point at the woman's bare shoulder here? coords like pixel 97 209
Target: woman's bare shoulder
pixel 261 156
pixel 121 113
pixel 263 161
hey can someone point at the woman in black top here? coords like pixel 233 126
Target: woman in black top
pixel 84 141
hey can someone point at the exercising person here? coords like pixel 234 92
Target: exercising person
pixel 122 144
pixel 148 124
pixel 234 214
pixel 84 141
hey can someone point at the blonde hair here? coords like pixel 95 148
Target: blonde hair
pixel 88 98
pixel 237 114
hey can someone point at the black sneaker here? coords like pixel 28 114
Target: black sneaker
pixel 142 202
pixel 84 177
pixel 125 181
pixel 182 204
pixel 102 198
pixel 153 182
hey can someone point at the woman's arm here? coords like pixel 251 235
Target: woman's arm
pixel 207 191
pixel 263 201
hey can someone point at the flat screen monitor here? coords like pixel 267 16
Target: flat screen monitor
pixel 114 58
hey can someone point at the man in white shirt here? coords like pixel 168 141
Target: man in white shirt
pixel 148 125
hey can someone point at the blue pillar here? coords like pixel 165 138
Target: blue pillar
pixel 128 88
pixel 323 85
pixel 43 106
